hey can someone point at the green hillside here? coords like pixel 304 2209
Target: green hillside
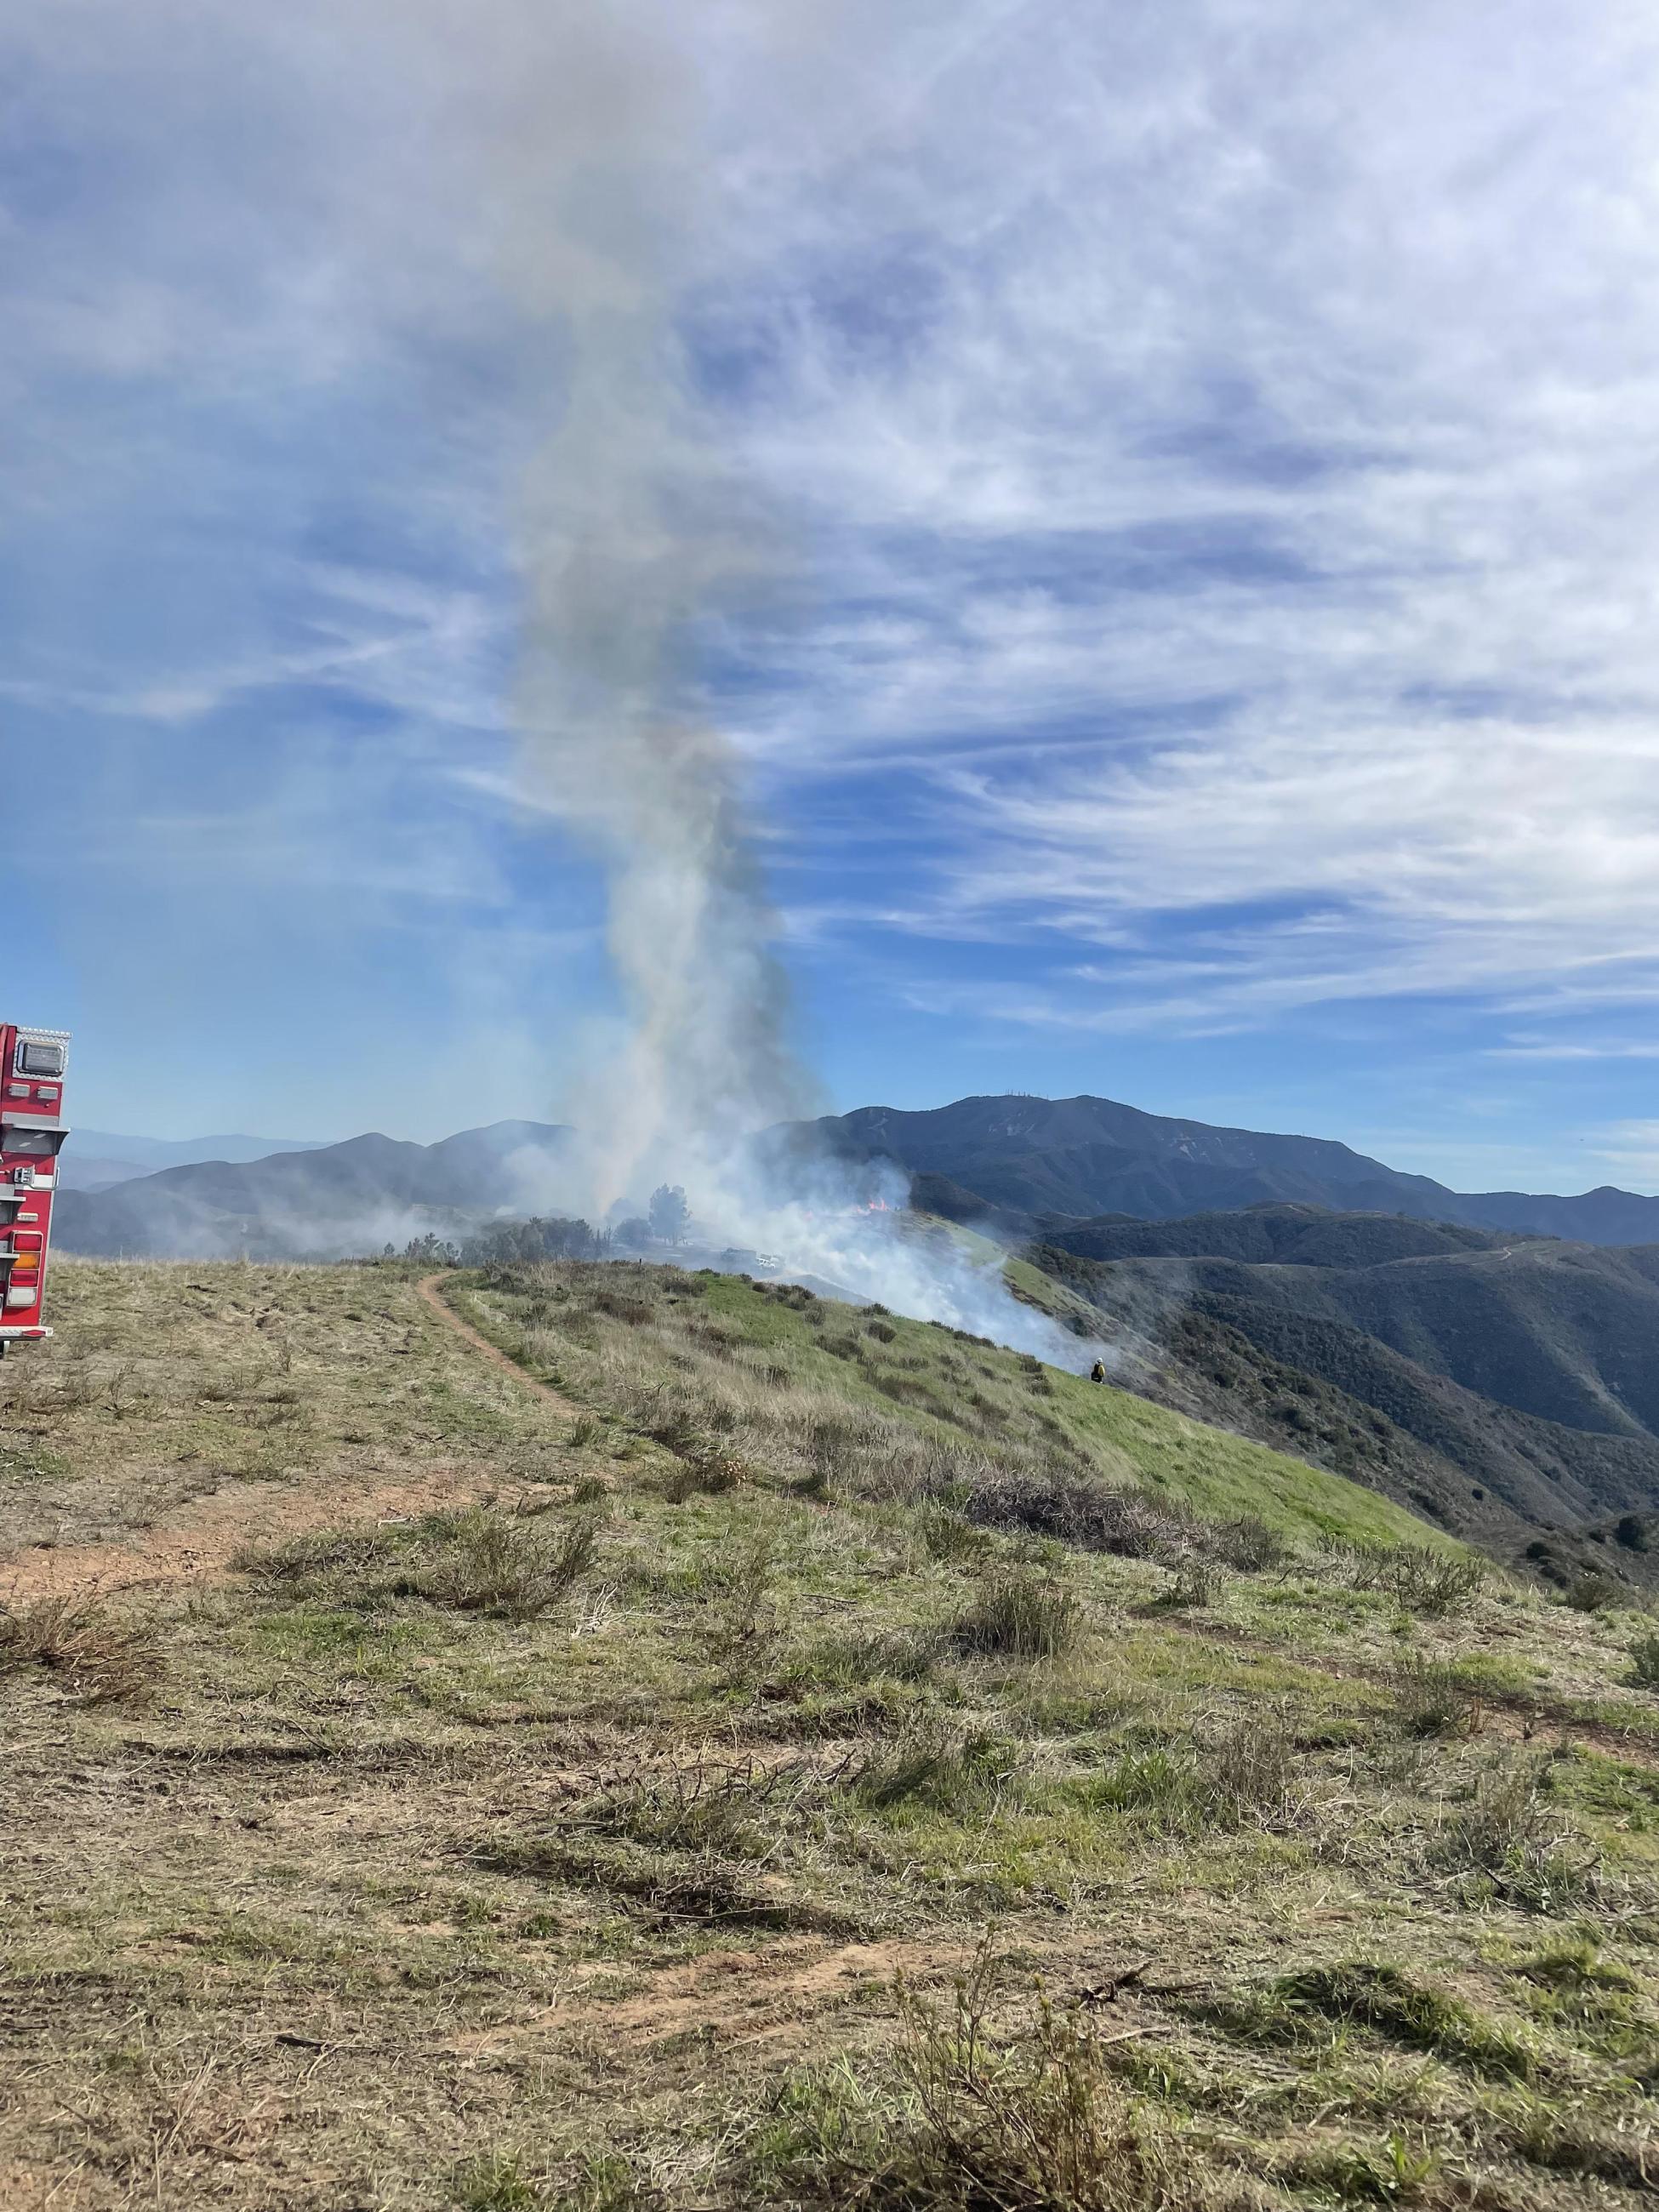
pixel 833 1369
pixel 713 1750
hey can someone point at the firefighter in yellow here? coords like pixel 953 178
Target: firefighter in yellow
pixel 1097 1372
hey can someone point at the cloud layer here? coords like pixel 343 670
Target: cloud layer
pixel 1196 465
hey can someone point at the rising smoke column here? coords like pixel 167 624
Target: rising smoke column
pixel 639 539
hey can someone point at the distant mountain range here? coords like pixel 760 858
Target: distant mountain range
pixel 1019 1166
pixel 327 1202
pixel 96 1158
pixel 1031 1158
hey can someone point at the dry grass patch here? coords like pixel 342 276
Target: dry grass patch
pixel 1514 1846
pixel 101 1659
pixel 484 1561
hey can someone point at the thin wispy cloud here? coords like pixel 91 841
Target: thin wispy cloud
pixel 1199 460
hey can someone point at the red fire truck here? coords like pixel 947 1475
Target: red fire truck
pixel 32 1063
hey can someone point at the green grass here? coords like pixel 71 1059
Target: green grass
pixel 951 1394
pixel 453 1845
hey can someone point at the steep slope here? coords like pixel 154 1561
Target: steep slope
pixel 1562 1332
pixel 1292 1235
pixel 1516 1372
pixel 1086 1156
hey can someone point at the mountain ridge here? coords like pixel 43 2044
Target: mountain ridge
pixel 1085 1157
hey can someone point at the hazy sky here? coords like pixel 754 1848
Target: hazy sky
pixel 1195 635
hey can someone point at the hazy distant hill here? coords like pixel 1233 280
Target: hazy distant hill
pixel 1520 1369
pixel 1087 1157
pixel 95 1158
pixel 328 1201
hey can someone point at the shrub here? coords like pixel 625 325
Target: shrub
pixel 488 1563
pixel 1644 1662
pixel 1519 1851
pixel 1589 1593
pixel 705 1471
pixel 746 1617
pixel 948 1536
pixel 1083 1513
pixel 1419 1581
pixel 1245 1774
pixel 99 1659
pixel 1022 1614
pixel 1431 1699
pixel 1249 1544
pixel 1037 2125
pixel 706 1807
pixel 1195 1585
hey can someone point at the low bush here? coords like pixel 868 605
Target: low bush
pixel 1022 1614
pixel 716 1808
pixel 1083 1513
pixel 1246 1773
pixel 977 2124
pixel 1644 1662
pixel 1195 1585
pixel 1243 1775
pixel 1431 1699
pixel 1515 1845
pixel 101 1660
pixel 1419 1581
pixel 949 1536
pixel 703 1471
pixel 1592 1593
pixel 486 1562
pixel 1249 1544
pixel 744 1617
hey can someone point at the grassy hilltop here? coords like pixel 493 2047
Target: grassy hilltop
pixel 728 1748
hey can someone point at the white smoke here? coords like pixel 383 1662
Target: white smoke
pixel 643 538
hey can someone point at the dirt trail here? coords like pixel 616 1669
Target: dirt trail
pixel 428 1287
pixel 776 1991
pixel 197 1544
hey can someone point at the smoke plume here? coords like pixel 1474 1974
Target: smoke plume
pixel 640 537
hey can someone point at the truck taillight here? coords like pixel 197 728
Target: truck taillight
pixel 21 1296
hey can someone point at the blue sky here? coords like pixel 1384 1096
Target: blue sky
pixel 1197 642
